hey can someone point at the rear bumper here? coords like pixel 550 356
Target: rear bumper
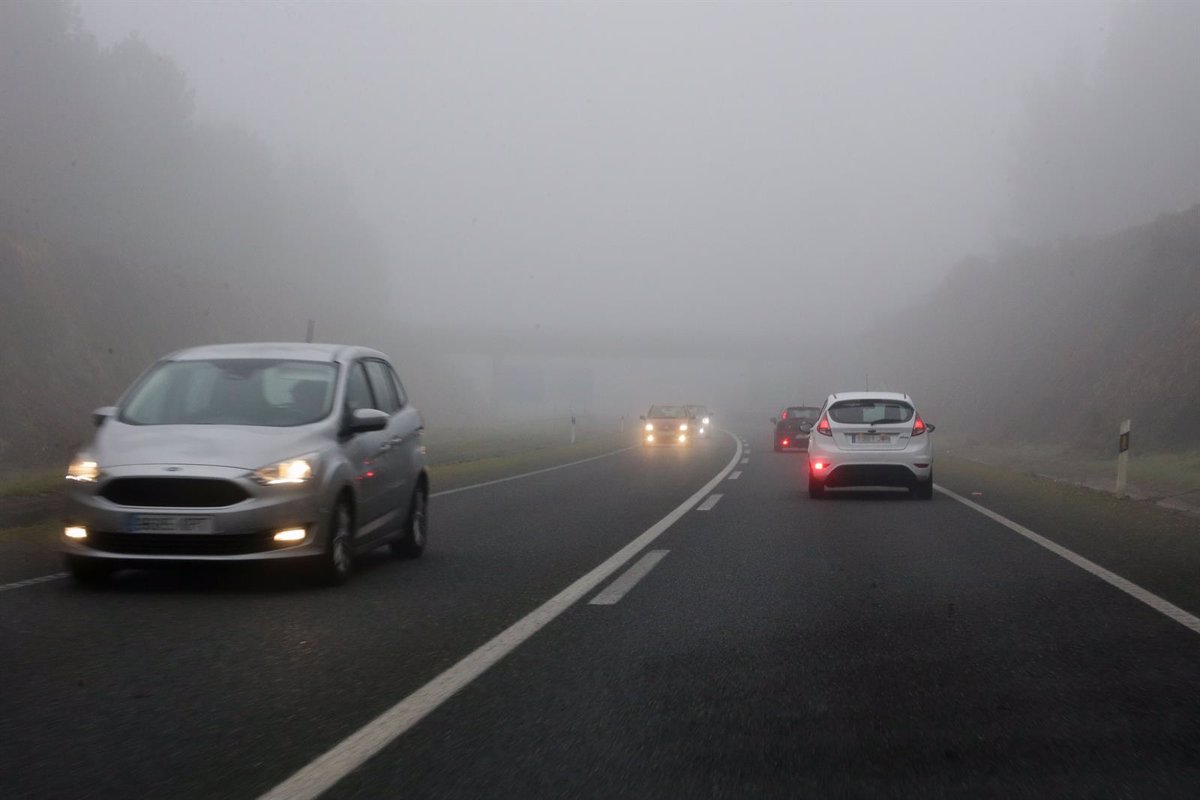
pixel 900 468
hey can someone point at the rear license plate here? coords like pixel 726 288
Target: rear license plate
pixel 869 438
pixel 169 523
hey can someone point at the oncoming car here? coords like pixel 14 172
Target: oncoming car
pixel 251 452
pixel 666 425
pixel 870 439
pixel 793 426
pixel 701 419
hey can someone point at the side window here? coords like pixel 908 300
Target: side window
pixel 381 384
pixel 358 391
pixel 401 395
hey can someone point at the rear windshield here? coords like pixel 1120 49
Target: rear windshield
pixel 802 414
pixel 870 412
pixel 233 391
pixel 667 412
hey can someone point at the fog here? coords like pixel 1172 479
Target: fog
pixel 657 166
pixel 608 204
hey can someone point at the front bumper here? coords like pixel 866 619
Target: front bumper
pixel 240 532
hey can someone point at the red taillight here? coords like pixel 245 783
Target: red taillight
pixel 783 414
pixel 818 466
pixel 918 426
pixel 784 442
pixel 823 426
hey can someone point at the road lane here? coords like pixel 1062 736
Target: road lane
pixel 223 683
pixel 862 645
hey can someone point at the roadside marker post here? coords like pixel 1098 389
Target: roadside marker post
pixel 572 429
pixel 1122 458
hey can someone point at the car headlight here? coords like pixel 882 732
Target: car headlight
pixel 683 426
pixel 649 426
pixel 705 420
pixel 83 469
pixel 291 470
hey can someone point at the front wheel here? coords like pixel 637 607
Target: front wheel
pixel 89 572
pixel 416 531
pixel 338 560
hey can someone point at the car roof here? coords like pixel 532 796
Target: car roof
pixel 298 351
pixel 869 396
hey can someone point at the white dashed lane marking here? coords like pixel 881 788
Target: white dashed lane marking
pixel 707 505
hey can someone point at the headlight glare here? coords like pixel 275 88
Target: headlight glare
pixel 291 470
pixel 83 469
pixel 683 426
pixel 649 426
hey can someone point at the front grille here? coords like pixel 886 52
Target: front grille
pixel 173 492
pixel 870 475
pixel 182 544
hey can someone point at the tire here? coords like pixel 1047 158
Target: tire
pixel 337 562
pixel 89 572
pixel 778 447
pixel 816 489
pixel 416 530
pixel 924 489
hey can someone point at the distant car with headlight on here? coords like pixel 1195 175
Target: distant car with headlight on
pixel 251 453
pixel 666 425
pixel 702 420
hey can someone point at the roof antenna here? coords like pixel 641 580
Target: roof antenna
pixel 867 379
pixel 312 323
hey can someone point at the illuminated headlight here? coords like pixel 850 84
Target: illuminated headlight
pixel 650 437
pixel 705 420
pixel 683 426
pixel 682 438
pixel 83 469
pixel 649 426
pixel 75 532
pixel 702 430
pixel 293 470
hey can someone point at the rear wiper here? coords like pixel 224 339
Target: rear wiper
pixel 885 422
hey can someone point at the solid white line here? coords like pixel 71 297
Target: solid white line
pixel 354 750
pixel 621 586
pixel 33 581
pixel 710 502
pixel 528 474
pixel 1128 587
pixel 733 476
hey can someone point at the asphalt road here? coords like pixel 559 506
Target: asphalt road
pixel 778 646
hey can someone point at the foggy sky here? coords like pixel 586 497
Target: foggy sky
pixel 687 167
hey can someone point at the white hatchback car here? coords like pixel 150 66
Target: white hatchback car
pixel 867 439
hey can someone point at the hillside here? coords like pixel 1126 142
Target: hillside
pixel 1061 342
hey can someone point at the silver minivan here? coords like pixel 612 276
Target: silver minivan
pixel 251 452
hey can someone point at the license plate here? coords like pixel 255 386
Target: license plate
pixel 869 438
pixel 169 523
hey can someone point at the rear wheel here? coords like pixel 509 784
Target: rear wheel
pixel 816 488
pixel 778 447
pixel 924 489
pixel 89 572
pixel 338 560
pixel 416 531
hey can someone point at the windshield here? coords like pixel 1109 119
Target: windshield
pixel 668 412
pixel 245 391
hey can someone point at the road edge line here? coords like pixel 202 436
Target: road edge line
pixel 1164 607
pixel 326 770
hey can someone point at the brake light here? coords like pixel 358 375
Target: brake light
pixel 784 443
pixel 918 426
pixel 818 466
pixel 783 414
pixel 823 426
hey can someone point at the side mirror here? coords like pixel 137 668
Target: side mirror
pixel 102 414
pixel 774 421
pixel 806 426
pixel 642 417
pixel 930 428
pixel 365 420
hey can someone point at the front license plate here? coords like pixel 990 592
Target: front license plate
pixel 169 523
pixel 869 438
